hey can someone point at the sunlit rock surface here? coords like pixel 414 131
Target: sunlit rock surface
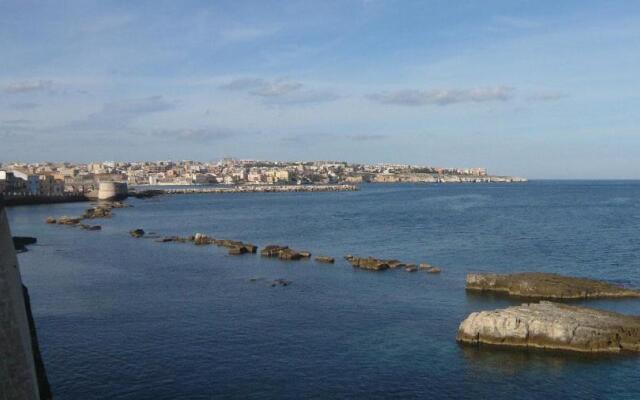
pixel 545 285
pixel 551 325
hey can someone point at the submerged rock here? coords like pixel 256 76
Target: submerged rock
pixel 51 220
pixel 411 268
pixel 119 204
pixel 551 325
pixel 137 233
pixel 280 282
pixel 546 285
pixel 305 254
pixel 325 259
pixel 168 239
pixel 90 227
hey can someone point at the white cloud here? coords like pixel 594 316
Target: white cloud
pixel 280 91
pixel 120 114
pixel 442 97
pixel 198 135
pixel 546 96
pixel 29 86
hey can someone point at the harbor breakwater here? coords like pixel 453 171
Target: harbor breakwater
pixel 247 189
pixel 27 199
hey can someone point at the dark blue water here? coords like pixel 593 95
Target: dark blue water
pixel 123 318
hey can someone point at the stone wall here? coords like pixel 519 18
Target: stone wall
pixel 18 377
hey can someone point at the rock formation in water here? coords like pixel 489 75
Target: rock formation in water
pixel 272 250
pixel 430 268
pixel 64 220
pixel 97 212
pixel 137 233
pixel 325 259
pixel 369 263
pixel 546 285
pixel 555 326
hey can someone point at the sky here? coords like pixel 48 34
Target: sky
pixel 541 89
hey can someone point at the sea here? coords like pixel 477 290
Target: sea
pixel 125 318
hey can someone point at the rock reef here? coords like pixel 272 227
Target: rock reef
pixel 546 286
pixel 137 233
pixel 555 326
pixel 282 252
pixel 368 263
pixel 377 264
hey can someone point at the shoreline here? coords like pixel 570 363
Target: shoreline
pixel 142 191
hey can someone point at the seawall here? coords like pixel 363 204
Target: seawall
pixel 25 200
pixel 22 373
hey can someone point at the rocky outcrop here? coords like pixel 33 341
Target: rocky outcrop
pixel 377 264
pixel 369 263
pixel 101 211
pixel 395 264
pixel 289 254
pixel 51 220
pixel 325 259
pixel 64 220
pixel 272 250
pixel 555 326
pixel 430 268
pixel 237 250
pixel 546 285
pixel 283 252
pixel 200 239
pixel 305 254
pixel 137 233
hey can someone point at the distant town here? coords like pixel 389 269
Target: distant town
pixel 53 179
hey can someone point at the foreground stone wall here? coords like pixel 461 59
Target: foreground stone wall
pixel 18 378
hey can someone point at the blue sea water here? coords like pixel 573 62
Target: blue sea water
pixel 124 318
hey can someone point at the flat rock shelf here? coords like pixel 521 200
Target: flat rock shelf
pixel 553 326
pixel 546 286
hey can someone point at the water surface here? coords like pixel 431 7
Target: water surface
pixel 124 318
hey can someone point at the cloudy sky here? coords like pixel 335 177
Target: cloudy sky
pixel 544 89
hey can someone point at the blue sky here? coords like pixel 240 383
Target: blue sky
pixel 544 89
